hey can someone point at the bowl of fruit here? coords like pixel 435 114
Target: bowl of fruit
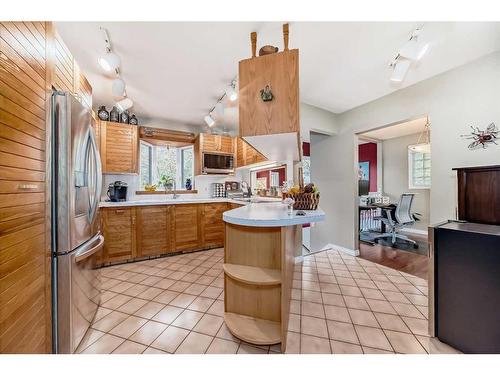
pixel 305 199
pixel 150 187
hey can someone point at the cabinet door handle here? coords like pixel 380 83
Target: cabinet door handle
pixel 27 187
pixel 119 212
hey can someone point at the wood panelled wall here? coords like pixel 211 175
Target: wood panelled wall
pixel 24 228
pixel 33 60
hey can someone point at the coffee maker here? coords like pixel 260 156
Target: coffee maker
pixel 117 191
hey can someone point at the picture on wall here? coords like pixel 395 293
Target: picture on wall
pixel 364 170
pixel 364 177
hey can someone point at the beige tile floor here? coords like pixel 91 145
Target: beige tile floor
pixel 341 304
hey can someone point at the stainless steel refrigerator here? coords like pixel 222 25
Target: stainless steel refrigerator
pixel 76 183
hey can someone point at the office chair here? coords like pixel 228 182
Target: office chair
pixel 402 218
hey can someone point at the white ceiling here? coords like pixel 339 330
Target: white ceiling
pixel 402 129
pixel 176 70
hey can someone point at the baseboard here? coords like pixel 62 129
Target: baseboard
pixel 412 230
pixel 351 252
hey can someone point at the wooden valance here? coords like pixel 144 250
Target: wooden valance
pixel 164 137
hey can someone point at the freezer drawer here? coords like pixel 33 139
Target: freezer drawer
pixel 77 304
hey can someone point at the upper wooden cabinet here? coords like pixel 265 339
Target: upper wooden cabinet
pixel 216 143
pixel 279 71
pixel 119 147
pixel 246 154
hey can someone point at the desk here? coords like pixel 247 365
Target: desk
pixel 367 213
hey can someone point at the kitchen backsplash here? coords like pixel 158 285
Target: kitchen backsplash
pixel 201 183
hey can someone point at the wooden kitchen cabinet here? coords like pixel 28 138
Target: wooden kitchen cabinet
pixel 246 154
pixel 216 143
pixel 279 71
pixel 187 226
pixel 219 144
pixel 119 226
pixel 155 234
pixel 213 224
pixel 119 144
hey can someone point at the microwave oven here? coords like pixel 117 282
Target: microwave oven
pixel 214 163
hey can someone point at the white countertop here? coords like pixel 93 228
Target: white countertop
pixel 270 215
pixel 167 200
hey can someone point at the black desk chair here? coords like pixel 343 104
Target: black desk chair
pixel 396 219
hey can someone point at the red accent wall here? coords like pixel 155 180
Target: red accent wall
pixel 368 152
pixel 306 149
pixel 266 174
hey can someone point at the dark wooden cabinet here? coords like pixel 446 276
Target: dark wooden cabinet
pixel 119 234
pixel 479 194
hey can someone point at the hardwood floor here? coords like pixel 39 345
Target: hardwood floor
pixel 414 264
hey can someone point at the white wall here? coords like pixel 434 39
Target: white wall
pixel 395 177
pixel 453 100
pixel 314 119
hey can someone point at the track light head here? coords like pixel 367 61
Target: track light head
pixel 124 104
pixel 118 87
pixel 209 120
pixel 231 93
pixel 400 68
pixel 109 62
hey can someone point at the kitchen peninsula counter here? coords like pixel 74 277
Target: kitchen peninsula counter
pixel 261 241
pixel 169 200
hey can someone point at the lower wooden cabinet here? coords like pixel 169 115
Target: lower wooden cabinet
pixel 213 224
pixel 138 232
pixel 187 226
pixel 154 230
pixel 119 234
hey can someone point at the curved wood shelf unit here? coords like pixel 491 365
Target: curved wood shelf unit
pixel 253 275
pixel 253 330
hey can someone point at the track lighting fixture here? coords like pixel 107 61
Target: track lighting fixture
pixel 124 104
pixel 219 110
pixel 401 67
pixel 118 87
pixel 231 93
pixel 109 62
pixel 412 51
pixel 209 120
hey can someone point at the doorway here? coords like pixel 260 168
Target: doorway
pixel 393 184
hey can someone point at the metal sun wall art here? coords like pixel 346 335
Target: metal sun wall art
pixel 482 137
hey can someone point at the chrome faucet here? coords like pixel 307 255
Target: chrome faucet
pixel 174 191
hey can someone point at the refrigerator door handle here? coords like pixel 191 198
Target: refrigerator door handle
pixel 92 248
pixel 97 175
